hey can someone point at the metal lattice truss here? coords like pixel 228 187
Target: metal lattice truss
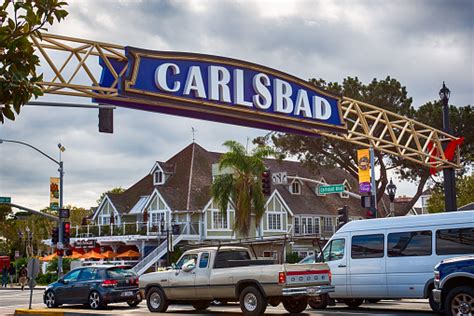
pixel 75 70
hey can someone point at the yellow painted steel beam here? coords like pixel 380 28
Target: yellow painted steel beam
pixel 71 61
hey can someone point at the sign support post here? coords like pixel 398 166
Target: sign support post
pixel 372 176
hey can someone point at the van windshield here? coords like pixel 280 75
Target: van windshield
pixel 334 250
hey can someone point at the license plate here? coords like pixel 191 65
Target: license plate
pixel 129 293
pixel 311 290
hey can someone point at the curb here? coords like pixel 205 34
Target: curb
pixel 48 312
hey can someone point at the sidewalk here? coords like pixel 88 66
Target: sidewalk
pixel 17 287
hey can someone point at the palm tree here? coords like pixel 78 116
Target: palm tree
pixel 242 187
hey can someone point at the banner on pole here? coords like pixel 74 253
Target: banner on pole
pixel 54 193
pixel 363 163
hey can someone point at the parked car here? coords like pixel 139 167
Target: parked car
pixel 394 258
pixel 95 286
pixel 230 274
pixel 454 285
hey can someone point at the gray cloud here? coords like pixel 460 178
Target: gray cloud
pixel 421 43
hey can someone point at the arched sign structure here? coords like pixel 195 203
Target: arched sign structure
pixel 231 91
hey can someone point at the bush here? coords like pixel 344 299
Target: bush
pixel 292 258
pixel 47 278
pixel 53 265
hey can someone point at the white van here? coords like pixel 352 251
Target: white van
pixel 393 258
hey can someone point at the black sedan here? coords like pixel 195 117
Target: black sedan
pixel 95 286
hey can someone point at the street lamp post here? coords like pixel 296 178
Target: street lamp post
pixel 448 173
pixel 392 190
pixel 61 174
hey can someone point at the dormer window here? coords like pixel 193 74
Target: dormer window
pixel 158 177
pixel 347 187
pixel 295 187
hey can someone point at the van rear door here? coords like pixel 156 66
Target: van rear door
pixel 367 265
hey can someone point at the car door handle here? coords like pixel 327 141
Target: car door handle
pixel 341 266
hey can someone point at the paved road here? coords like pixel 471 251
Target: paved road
pixel 11 299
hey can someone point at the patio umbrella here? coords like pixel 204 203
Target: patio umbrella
pixel 129 254
pixel 92 255
pixel 49 257
pixel 75 255
pixel 109 254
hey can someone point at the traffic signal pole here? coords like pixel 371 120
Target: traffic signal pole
pixel 60 224
pixel 372 180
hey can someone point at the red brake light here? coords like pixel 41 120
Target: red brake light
pixel 109 283
pixel 281 277
pixel 330 276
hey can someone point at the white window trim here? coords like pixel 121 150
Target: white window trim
pixel 347 186
pixel 113 211
pixel 208 210
pixel 282 212
pixel 299 186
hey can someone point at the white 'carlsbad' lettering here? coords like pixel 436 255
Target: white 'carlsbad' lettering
pixel 277 94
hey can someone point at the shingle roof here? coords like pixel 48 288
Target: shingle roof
pixel 176 188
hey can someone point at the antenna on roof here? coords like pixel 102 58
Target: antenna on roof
pixel 193 131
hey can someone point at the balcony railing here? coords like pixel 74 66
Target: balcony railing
pixel 131 228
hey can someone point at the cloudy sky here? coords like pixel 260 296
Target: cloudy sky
pixel 421 43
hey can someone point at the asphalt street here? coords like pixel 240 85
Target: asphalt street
pixel 12 299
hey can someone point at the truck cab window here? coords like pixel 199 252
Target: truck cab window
pixel 334 250
pixel 184 259
pixel 203 262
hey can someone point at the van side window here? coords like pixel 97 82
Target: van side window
pixel 455 241
pixel 409 244
pixel 334 250
pixel 367 246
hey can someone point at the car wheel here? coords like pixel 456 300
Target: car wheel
pixel 435 307
pixel 373 300
pixel 353 302
pixel 50 299
pixel 95 301
pixel 200 305
pixel 252 302
pixel 295 305
pixel 318 302
pixel 156 300
pixel 460 301
pixel 133 303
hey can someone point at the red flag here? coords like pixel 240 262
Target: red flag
pixel 448 152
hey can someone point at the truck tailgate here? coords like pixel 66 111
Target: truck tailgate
pixel 307 274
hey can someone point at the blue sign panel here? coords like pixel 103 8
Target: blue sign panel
pixel 223 90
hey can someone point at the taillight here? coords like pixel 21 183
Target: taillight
pixel 330 276
pixel 109 283
pixel 281 277
pixel 436 276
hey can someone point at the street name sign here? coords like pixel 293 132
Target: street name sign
pixel 5 199
pixel 327 189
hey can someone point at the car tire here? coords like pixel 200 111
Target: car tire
pixel 95 300
pixel 133 303
pixel 318 302
pixel 50 299
pixel 156 300
pixel 373 300
pixel 353 302
pixel 459 301
pixel 252 302
pixel 295 305
pixel 200 305
pixel 435 307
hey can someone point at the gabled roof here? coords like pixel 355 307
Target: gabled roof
pixel 181 190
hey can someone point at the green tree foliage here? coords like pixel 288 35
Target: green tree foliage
pixel 464 190
pixel 243 187
pixel 387 94
pixel 18 61
pixel 117 190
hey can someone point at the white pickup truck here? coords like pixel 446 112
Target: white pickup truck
pixel 230 274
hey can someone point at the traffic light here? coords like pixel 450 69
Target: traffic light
pixel 55 235
pixel 106 120
pixel 371 213
pixel 66 233
pixel 266 182
pixel 342 216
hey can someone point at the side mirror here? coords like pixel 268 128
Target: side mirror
pixel 173 266
pixel 188 266
pixel 61 280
